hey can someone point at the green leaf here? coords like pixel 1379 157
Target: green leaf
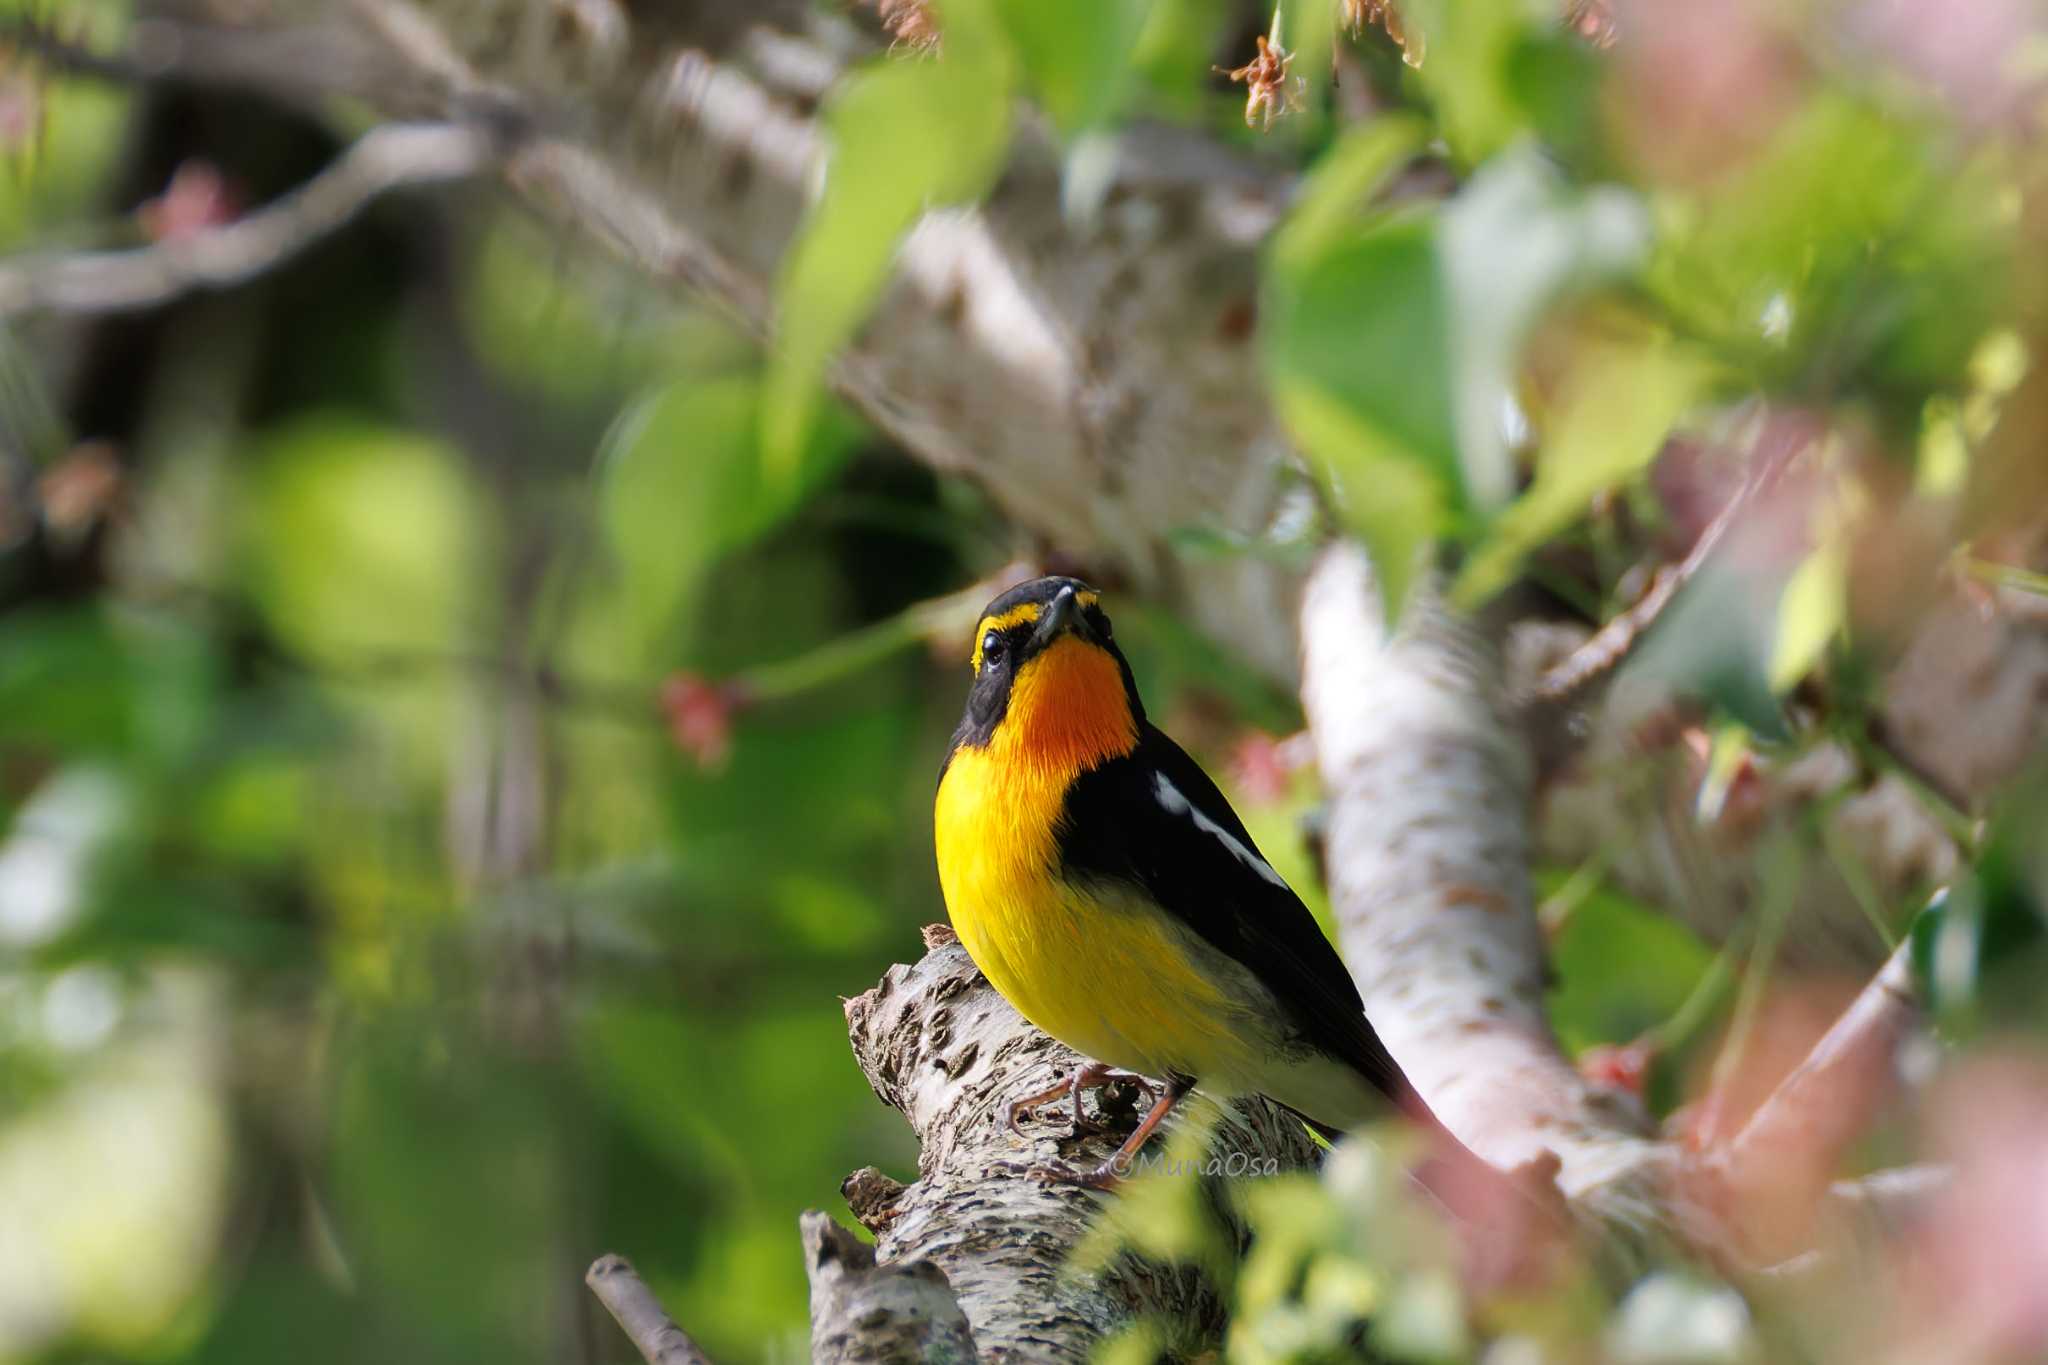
pixel 1618 404
pixel 1392 338
pixel 1326 213
pixel 908 133
pixel 1891 264
pixel 684 483
pixel 1357 354
pixel 1076 55
pixel 1467 74
pixel 1394 504
pixel 1621 968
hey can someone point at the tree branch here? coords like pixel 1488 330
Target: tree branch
pixel 1064 364
pixel 1428 872
pixel 639 1314
pixel 390 157
pixel 861 1311
pixel 941 1047
pixel 1772 1178
pixel 1428 793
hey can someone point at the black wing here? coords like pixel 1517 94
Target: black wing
pixel 1153 818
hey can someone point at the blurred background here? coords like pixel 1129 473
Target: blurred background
pixel 449 777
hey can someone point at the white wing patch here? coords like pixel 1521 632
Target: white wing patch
pixel 1177 803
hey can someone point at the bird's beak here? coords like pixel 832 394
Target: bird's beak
pixel 1063 613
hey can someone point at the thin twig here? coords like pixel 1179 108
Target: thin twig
pixel 1829 1097
pixel 639 1314
pixel 1767 1193
pixel 393 156
pixel 1612 642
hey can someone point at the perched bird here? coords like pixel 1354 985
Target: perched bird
pixel 1106 888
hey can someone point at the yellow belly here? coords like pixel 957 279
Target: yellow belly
pixel 1112 979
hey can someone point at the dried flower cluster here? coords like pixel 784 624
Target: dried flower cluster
pixel 1269 91
pixel 909 22
pixel 1358 14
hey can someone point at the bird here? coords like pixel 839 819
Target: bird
pixel 1105 887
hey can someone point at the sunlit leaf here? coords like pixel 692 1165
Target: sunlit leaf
pixel 1469 45
pixel 1397 505
pixel 1327 210
pixel 1810 613
pixel 1393 338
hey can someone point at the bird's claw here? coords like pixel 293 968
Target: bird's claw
pixel 1091 1077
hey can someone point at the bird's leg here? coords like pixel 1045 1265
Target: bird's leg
pixel 1111 1172
pixel 1092 1076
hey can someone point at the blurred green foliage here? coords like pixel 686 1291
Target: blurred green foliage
pixel 372 952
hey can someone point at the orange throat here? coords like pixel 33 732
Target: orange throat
pixel 1067 713
pixel 999 806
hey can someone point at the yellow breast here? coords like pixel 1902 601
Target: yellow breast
pixel 1111 978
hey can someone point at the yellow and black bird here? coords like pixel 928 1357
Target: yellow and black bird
pixel 1106 888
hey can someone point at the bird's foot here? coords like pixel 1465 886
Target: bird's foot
pixel 1021 1109
pixel 1093 1076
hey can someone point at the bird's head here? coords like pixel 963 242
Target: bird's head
pixel 1050 685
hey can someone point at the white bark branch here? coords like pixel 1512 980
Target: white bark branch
pixel 940 1046
pixel 1098 375
pixel 1428 865
pixel 862 1311
pixel 639 1314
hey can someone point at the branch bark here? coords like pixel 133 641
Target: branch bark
pixel 942 1048
pixel 863 1311
pixel 1428 792
pixel 639 1314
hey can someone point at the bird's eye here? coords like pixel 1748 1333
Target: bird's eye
pixel 1100 620
pixel 992 648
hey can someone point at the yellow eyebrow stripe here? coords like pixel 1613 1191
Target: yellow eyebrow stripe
pixel 1023 614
